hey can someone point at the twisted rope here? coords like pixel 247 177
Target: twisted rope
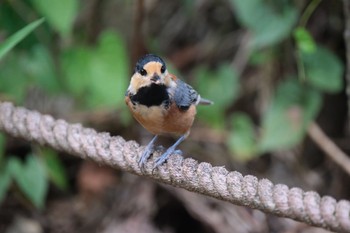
pixel 202 178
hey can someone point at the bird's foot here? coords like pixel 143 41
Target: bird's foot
pixel 170 150
pixel 159 161
pixel 147 153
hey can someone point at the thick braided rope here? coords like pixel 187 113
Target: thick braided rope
pixel 202 178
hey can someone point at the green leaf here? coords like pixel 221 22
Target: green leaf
pixel 284 124
pixel 55 168
pixel 32 67
pixel 241 139
pixel 98 75
pixel 268 25
pixel 16 85
pixel 209 83
pixel 75 64
pixel 262 57
pixel 5 181
pixel 9 20
pixel 323 70
pixel 109 71
pixel 60 14
pixel 39 68
pixel 31 178
pixel 17 37
pixel 305 42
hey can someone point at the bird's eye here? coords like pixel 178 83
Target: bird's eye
pixel 162 69
pixel 143 72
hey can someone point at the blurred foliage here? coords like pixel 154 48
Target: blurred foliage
pixel 6 46
pixel 296 102
pixel 220 86
pixel 54 167
pixel 95 75
pixel 91 74
pixel 293 107
pixel 30 177
pixel 242 138
pixel 284 124
pixel 33 68
pixel 60 14
pixel 323 70
pixel 267 25
pixel 304 40
pixel 5 180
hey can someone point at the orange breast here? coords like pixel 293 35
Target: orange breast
pixel 162 121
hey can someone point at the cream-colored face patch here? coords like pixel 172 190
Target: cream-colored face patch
pixel 152 68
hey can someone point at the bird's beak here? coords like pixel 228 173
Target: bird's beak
pixel 155 79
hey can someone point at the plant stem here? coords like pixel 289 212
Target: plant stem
pixel 308 12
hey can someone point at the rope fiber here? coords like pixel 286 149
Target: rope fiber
pixel 202 178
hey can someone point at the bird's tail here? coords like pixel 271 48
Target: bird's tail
pixel 203 101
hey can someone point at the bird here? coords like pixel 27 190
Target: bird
pixel 162 103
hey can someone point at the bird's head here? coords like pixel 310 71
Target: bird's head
pixel 150 70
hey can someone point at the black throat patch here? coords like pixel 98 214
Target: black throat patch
pixel 153 95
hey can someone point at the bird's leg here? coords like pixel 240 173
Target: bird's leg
pixel 169 151
pixel 147 152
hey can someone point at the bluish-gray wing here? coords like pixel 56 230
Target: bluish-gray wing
pixel 185 95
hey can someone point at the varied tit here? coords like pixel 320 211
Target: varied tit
pixel 161 103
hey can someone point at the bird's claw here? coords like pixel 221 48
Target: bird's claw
pixel 145 155
pixel 150 148
pixel 159 161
